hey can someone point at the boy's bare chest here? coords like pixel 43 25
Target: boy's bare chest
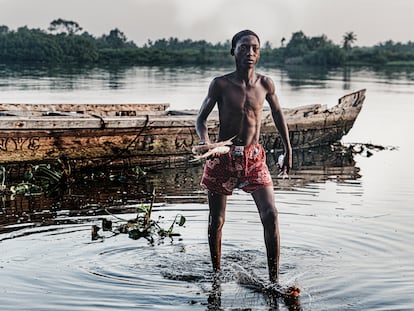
pixel 244 97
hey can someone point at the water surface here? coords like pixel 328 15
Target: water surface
pixel 346 223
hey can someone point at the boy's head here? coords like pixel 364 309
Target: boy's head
pixel 240 34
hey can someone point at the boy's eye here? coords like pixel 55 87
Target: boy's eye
pixel 244 48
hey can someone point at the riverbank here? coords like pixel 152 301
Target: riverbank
pixel 64 43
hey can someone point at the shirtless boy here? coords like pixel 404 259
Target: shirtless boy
pixel 240 97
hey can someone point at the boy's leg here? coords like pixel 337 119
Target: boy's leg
pixel 264 199
pixel 217 206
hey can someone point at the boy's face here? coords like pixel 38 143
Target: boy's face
pixel 247 51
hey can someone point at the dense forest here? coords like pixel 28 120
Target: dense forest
pixel 66 42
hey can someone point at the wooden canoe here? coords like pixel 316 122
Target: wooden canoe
pixel 146 134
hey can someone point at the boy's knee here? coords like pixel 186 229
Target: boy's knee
pixel 269 216
pixel 216 222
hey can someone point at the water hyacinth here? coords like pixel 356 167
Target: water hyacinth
pixel 142 226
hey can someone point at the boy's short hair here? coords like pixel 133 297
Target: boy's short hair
pixel 240 34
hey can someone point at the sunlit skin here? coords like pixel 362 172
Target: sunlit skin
pixel 240 97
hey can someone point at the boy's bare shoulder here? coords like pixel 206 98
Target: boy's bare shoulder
pixel 264 79
pixel 223 80
pixel 228 77
pixel 267 83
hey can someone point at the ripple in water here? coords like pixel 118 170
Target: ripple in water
pixel 338 249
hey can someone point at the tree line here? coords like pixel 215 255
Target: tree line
pixel 66 42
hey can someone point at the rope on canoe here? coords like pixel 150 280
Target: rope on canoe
pixel 124 150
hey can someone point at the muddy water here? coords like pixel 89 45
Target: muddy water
pixel 345 221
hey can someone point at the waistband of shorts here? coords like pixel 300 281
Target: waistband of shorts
pixel 246 148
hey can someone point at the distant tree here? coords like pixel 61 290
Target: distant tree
pixel 149 43
pixel 348 39
pixel 318 42
pixel 317 51
pixel 297 46
pixel 115 40
pixel 282 42
pixel 77 49
pixel 295 49
pixel 64 26
pixel 267 45
pixel 28 45
pixel 4 29
pixel 328 55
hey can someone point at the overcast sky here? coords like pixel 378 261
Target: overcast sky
pixel 373 21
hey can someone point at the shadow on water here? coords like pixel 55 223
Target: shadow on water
pixel 121 190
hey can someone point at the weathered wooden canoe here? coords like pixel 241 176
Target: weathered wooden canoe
pixel 146 134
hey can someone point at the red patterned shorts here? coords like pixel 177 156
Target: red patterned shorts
pixel 244 167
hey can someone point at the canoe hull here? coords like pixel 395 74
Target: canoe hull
pixel 154 139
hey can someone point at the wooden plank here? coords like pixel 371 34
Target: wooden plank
pixel 48 122
pixel 131 109
pixel 39 145
pixel 79 121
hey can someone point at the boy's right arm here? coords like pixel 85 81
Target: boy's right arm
pixel 205 110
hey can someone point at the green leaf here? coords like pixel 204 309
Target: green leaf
pixel 181 222
pixel 135 234
pixel 143 208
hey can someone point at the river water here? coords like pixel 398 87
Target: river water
pixel 346 221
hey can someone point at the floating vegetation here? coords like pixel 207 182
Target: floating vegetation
pixel 36 179
pixel 366 149
pixel 137 173
pixel 142 226
pixel 46 178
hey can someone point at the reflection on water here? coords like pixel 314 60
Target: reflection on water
pixel 89 191
pixel 299 76
pixel 180 86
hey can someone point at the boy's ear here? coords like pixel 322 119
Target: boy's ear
pixel 232 51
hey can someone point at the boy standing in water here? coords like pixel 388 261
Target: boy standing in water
pixel 240 97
